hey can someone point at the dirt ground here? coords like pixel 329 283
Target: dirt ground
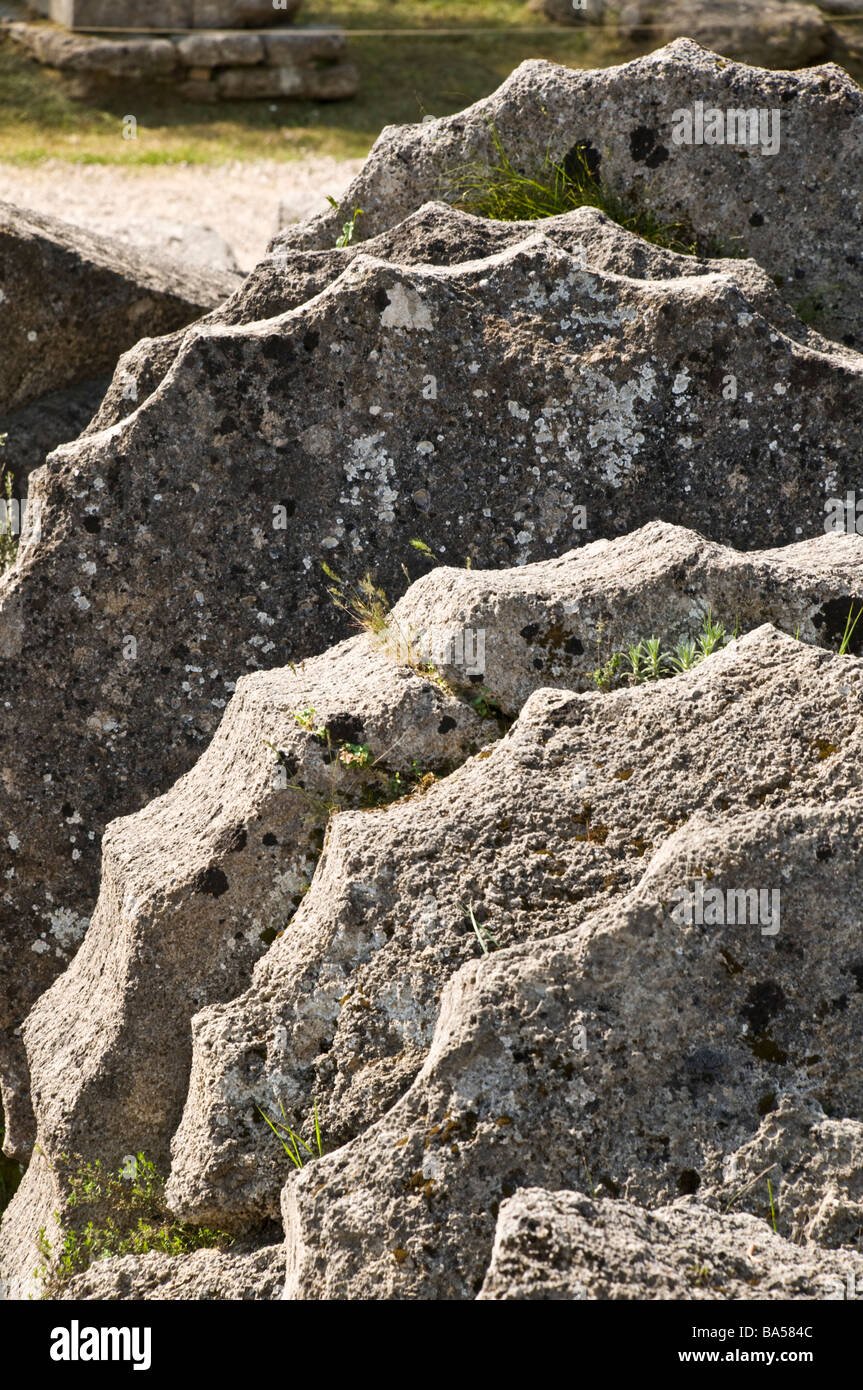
pixel 238 201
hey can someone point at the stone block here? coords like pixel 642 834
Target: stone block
pixel 123 14
pixel 168 14
pixel 196 89
pixel 235 14
pixel 86 55
pixel 335 83
pixel 220 50
pixel 286 47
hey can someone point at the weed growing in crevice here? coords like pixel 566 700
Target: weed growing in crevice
pixel 129 1217
pixel 294 1145
pixel 849 630
pixel 349 227
pixel 647 660
pixel 368 608
pixel 487 941
pixel 489 707
pixel 503 192
pixel 772 1208
pixel 364 783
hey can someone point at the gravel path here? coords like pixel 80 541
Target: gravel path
pixel 239 201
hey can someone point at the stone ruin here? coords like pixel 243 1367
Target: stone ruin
pixel 207 50
pixel 166 14
pixel 217 899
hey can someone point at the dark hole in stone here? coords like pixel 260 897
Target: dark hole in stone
pixel 641 142
pixel 831 619
pixel 346 728
pixel 213 881
pixel 582 156
pixel 688 1182
pixel 763 1002
pixel 290 765
pixel 656 157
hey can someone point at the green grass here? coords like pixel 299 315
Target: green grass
pixel 402 80
pixel 420 14
pixel 293 1143
pixel 503 192
pixel 850 625
pixel 129 1217
pixel 487 941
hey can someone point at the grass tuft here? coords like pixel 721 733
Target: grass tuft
pixel 293 1143
pixel 506 194
pixel 849 630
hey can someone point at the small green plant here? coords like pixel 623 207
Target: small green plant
pixel 635 656
pixel 646 660
pixel 501 191
pixel 397 785
pixel 291 1141
pixel 129 1217
pixel 684 657
pixel 712 636
pixel 367 606
pixel 349 227
pixel 487 707
pixel 348 754
pixel 655 660
pixel 355 754
pixel 376 789
pixel 605 674
pixel 772 1208
pixel 849 630
pixel 306 719
pixel 487 942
